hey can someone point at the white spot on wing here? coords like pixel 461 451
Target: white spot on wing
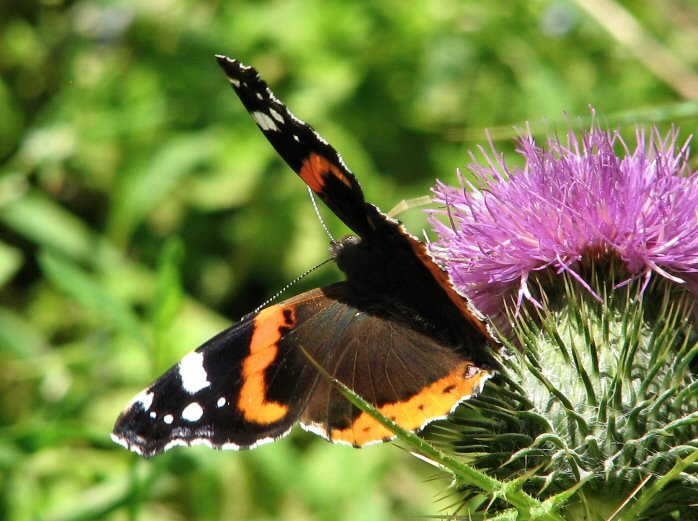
pixel 120 441
pixel 145 399
pixel 192 412
pixel 261 441
pixel 175 443
pixel 234 82
pixel 316 428
pixel 221 401
pixel 192 372
pixel 278 117
pixel 225 446
pixel 168 419
pixel 259 96
pixel 153 414
pixel 320 430
pixel 264 121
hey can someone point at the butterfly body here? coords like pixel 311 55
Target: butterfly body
pixel 395 331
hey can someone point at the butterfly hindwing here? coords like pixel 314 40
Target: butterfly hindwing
pixel 407 375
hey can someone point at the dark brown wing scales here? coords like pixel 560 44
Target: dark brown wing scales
pixel 408 375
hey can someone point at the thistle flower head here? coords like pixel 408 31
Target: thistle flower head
pixel 596 244
pixel 571 200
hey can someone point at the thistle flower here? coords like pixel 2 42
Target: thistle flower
pixel 571 202
pixel 587 261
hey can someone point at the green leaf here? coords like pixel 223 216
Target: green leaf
pixel 87 289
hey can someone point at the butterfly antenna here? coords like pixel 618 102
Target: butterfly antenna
pixel 307 272
pixel 276 295
pixel 322 221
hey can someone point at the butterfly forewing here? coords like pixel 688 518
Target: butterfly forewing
pixel 306 152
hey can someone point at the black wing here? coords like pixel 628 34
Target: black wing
pixel 305 151
pixel 390 262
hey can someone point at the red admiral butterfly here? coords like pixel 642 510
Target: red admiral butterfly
pixel 396 331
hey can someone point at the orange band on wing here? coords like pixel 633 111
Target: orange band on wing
pixel 433 402
pixel 315 171
pixel 263 351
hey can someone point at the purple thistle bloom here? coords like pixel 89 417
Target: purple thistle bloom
pixel 569 202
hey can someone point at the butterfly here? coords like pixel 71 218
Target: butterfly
pixel 396 331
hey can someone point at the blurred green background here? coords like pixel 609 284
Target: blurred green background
pixel 141 210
